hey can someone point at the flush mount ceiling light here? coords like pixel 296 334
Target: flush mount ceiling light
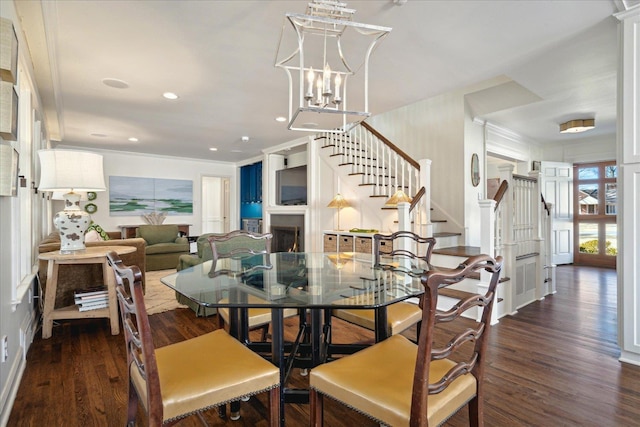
pixel 576 126
pixel 314 56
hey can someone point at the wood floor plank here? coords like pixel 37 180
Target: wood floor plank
pixel 554 363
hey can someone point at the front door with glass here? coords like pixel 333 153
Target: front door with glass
pixel 595 200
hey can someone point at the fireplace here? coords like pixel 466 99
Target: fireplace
pixel 285 238
pixel 288 233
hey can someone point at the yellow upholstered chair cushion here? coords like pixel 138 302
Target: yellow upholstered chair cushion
pixel 378 381
pixel 400 316
pixel 206 371
pixel 257 316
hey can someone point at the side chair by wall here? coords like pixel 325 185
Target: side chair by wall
pixel 402 315
pixel 399 383
pixel 187 377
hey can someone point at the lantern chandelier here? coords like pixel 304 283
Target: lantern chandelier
pixel 324 85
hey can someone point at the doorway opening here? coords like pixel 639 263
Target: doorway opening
pixel 215 204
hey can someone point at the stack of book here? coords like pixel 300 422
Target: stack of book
pixel 92 298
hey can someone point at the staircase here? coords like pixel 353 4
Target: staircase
pixel 377 169
pixel 369 162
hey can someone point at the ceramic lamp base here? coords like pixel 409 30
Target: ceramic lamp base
pixel 72 223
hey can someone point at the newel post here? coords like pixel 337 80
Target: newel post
pixel 424 222
pixel 487 245
pixel 508 249
pixel 538 238
pixel 550 267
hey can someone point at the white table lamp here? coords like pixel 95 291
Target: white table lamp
pixel 71 172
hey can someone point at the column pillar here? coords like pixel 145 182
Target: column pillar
pixel 628 156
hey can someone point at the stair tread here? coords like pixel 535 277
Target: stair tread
pixel 462 251
pixel 446 234
pixel 454 293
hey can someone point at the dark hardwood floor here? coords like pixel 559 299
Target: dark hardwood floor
pixel 554 363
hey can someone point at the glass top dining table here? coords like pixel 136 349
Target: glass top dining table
pixel 315 283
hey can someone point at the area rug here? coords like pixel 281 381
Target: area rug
pixel 159 297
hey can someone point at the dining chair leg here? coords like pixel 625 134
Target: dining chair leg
pixel 265 332
pixel 274 407
pixel 476 409
pixel 222 411
pixel 315 408
pixel 132 408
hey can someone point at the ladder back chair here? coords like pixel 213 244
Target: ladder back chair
pixel 241 244
pixel 400 316
pixel 188 377
pixel 400 383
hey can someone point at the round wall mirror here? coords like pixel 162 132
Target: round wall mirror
pixel 475 170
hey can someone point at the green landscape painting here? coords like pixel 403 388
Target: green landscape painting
pixel 139 196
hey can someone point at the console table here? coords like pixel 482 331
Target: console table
pixel 91 255
pixel 129 231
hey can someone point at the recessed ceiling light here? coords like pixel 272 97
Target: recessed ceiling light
pixel 213 149
pixel 281 119
pixel 99 135
pixel 245 139
pixel 133 139
pixel 170 95
pixel 116 83
pixel 576 126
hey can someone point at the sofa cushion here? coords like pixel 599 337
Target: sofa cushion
pixel 92 236
pixel 95 227
pixel 167 248
pixel 154 234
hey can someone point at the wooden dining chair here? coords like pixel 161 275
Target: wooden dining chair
pixel 241 244
pixel 187 377
pixel 400 383
pixel 401 245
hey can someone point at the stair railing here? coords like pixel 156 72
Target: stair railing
pixel 383 166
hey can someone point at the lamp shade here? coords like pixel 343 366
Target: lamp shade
pixel 66 170
pixel 398 197
pixel 338 202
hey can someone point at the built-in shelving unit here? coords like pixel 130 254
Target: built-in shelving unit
pixel 346 241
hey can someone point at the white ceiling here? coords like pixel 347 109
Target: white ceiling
pixel 556 60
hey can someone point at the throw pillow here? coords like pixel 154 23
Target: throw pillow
pixel 103 234
pixel 92 236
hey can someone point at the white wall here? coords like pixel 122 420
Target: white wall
pixel 581 149
pixel 432 129
pixel 149 166
pixel 19 227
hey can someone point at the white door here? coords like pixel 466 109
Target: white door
pixel 215 204
pixel 557 188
